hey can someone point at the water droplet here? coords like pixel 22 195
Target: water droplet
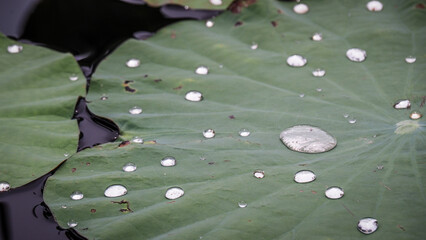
pixel 202 70
pixel 186 7
pixel 317 37
pixel 374 6
pixel 76 195
pixel 132 63
pixel 368 225
pixel 415 115
pixel 254 46
pixel 129 167
pixel 73 77
pixel 72 223
pixel 307 139
pixel 64 206
pixel 104 97
pixel 115 191
pixel 194 96
pixel 318 72
pixel 244 132
pixel 259 174
pixel 209 133
pixel 406 126
pixel 352 120
pixel 301 95
pixel 15 48
pixel 356 55
pixel 209 23
pixel 203 158
pixel 168 162
pixel 296 61
pixel 380 167
pixel 66 154
pixel 174 193
pixel 216 2
pixel 334 193
pixel 137 140
pixel 410 59
pixel 402 104
pixel 135 110
pixel 304 176
pixel 242 204
pixel 345 115
pixel 301 8
pixel 319 89
pixel 4 186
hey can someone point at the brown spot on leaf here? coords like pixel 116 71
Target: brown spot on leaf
pixel 178 87
pixel 231 117
pixel 420 6
pixel 211 163
pixel 401 227
pixel 127 86
pixel 73 169
pixel 423 101
pixel 314 192
pixel 280 11
pixel 238 5
pixel 157 80
pixel 173 35
pixel 127 207
pixel 274 23
pixel 227 160
pixel 87 164
pixel 124 143
pixel 238 23
pixel 92 210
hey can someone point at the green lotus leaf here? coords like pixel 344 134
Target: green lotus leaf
pixel 379 160
pixel 195 4
pixel 36 105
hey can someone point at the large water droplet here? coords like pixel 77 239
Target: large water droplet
pixel 216 2
pixel 72 223
pixel 209 133
pixel 304 176
pixel 174 193
pixel 352 120
pixel 15 48
pixel 259 174
pixel 374 6
pixel 307 139
pixel 77 195
pixel 368 225
pixel 4 186
pixel 194 96
pixel 254 46
pixel 129 167
pixel 244 132
pixel 334 193
pixel 296 61
pixel 202 70
pixel 137 140
pixel 73 77
pixel 318 72
pixel 301 8
pixel 356 55
pixel 115 191
pixel 132 63
pixel 402 104
pixel 135 110
pixel 317 37
pixel 415 115
pixel 242 204
pixel 410 59
pixel 168 162
pixel 209 23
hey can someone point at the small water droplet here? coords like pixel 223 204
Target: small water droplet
pixel 296 61
pixel 319 89
pixel 216 2
pixel 254 46
pixel 244 132
pixel 115 191
pixel 307 139
pixel 76 195
pixel 368 225
pixel 334 193
pixel 4 186
pixel 72 223
pixel 194 96
pixel 345 115
pixel 64 206
pixel 168 162
pixel 129 167
pixel 301 8
pixel 15 48
pixel 352 120
pixel 220 66
pixel 186 7
pixel 66 154
pixel 259 174
pixel 137 140
pixel 317 37
pixel 209 133
pixel 304 176
pixel 301 95
pixel 415 115
pixel 133 63
pixel 242 204
pixel 202 70
pixel 410 59
pixel 73 77
pixel 209 23
pixel 135 110
pixel 374 6
pixel 174 193
pixel 402 104
pixel 380 167
pixel 356 54
pixel 318 72
pixel 104 97
pixel 203 158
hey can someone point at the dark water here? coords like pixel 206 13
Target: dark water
pixel 90 30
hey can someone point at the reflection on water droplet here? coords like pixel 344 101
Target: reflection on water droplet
pixel 202 70
pixel 259 174
pixel 132 63
pixel 174 193
pixel 168 162
pixel 374 6
pixel 129 167
pixel 296 61
pixel 76 195
pixel 15 48
pixel 307 139
pixel 304 176
pixel 334 193
pixel 135 110
pixel 318 72
pixel 368 225
pixel 356 55
pixel 194 96
pixel 352 120
pixel 72 223
pixel 301 95
pixel 216 2
pixel 4 186
pixel 137 140
pixel 301 8
pixel 242 204
pixel 317 37
pixel 115 191
pixel 410 59
pixel 73 77
pixel 104 97
pixel 209 133
pixel 415 115
pixel 345 115
pixel 209 23
pixel 254 46
pixel 244 132
pixel 402 104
